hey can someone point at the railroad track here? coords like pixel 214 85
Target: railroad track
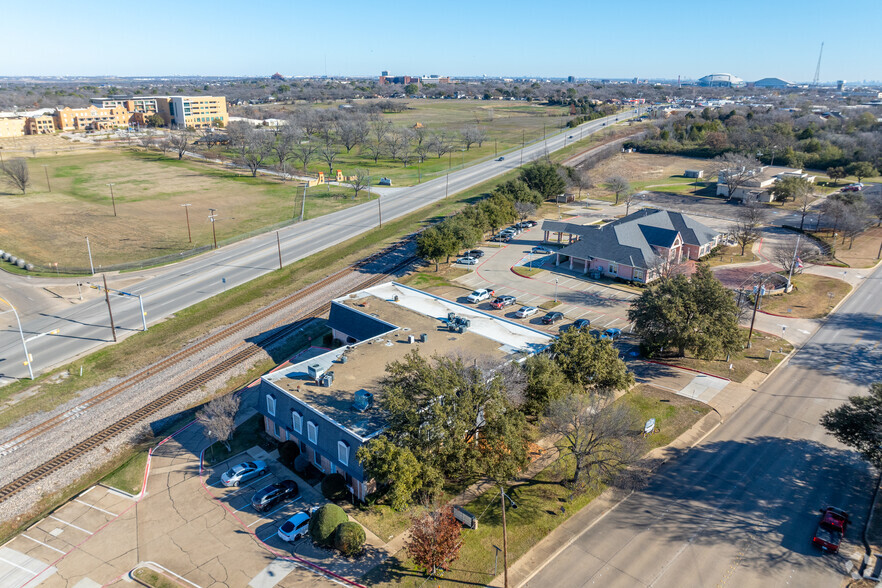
pixel 71 454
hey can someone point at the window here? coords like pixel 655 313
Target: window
pixel 297 421
pixel 311 432
pixel 317 460
pixel 613 268
pixel 271 404
pixel 343 452
pixel 638 274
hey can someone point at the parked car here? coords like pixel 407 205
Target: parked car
pixel 479 295
pixel 552 317
pixel 500 159
pixel 385 182
pixel 503 301
pixel 266 498
pixel 243 472
pixel 853 188
pixel 476 253
pixel 517 230
pixel 467 261
pixel 611 334
pixel 297 526
pixel 595 333
pixel 541 249
pixel 529 223
pixel 828 535
pixel 526 311
pixel 578 325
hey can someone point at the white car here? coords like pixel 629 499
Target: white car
pixel 526 311
pixel 296 527
pixel 467 261
pixel 479 295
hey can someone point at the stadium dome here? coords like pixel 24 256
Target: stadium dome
pixel 724 80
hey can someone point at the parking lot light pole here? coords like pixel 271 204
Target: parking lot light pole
pixel 187 212
pixel 555 290
pixel 21 334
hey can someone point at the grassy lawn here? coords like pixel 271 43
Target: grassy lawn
pixel 549 304
pixel 429 278
pixel 864 252
pixel 730 255
pixel 129 476
pixel 247 435
pixel 527 272
pixel 810 297
pixel 543 504
pixel 744 362
pixel 382 520
pixel 155 579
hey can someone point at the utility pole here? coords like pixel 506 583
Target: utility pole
pixel 89 249
pixel 759 293
pixel 46 169
pixel 792 263
pixel 279 243
pixel 112 199
pixel 523 145
pixel 187 212
pixel 212 217
pixel 24 345
pixel 504 538
pixel 380 209
pixel 109 310
pixel 303 201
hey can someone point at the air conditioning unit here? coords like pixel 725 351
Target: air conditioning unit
pixel 363 400
pixel 326 380
pixel 315 371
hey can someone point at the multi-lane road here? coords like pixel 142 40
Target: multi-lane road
pixel 168 290
pixel 739 509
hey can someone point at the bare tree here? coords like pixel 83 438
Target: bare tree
pixel 854 222
pixel 441 144
pixel 351 132
pixel 788 254
pixel 874 206
pixel 835 211
pixel 305 150
pixel 804 199
pixel 288 137
pixel 471 135
pixel 238 131
pixel 395 141
pixel 583 180
pixel 597 433
pixel 328 152
pixel 258 146
pixel 16 173
pixel 379 129
pixel 524 209
pixel 180 141
pixel 618 184
pixel 750 218
pixel 735 170
pixel 628 197
pixel 361 181
pixel 218 417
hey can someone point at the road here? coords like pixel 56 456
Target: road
pixel 740 508
pixel 171 289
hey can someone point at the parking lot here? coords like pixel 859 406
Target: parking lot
pixel 606 306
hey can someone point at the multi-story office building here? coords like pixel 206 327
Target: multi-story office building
pixel 193 111
pixel 91 118
pixel 40 125
pixel 12 126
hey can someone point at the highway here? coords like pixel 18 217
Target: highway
pixel 168 290
pixel 740 508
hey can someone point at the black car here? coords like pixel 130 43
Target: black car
pixel 476 253
pixel 578 325
pixel 552 317
pixel 273 494
pixel 529 223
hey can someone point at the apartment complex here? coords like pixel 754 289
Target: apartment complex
pixel 91 118
pixel 12 126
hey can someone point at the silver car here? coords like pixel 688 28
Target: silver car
pixel 248 470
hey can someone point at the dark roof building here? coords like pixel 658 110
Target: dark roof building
pixel 634 247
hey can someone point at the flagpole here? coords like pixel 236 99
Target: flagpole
pixel 792 264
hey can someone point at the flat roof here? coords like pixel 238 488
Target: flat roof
pixel 414 313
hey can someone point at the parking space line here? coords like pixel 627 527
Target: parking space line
pixel 41 543
pixel 95 507
pixel 71 525
pixel 31 572
pixel 583 314
pixel 266 516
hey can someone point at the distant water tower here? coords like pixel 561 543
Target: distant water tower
pixel 840 85
pixel 385 73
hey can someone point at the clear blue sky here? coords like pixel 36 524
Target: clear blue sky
pixel 588 38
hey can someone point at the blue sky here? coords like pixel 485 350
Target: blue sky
pixel 749 38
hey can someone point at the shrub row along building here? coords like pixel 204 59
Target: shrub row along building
pixel 119 112
pixel 325 400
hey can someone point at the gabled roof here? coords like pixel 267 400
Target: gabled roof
pixel 631 240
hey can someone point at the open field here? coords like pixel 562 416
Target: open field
pixel 863 253
pixel 810 297
pixel 658 173
pixel 50 227
pixel 729 255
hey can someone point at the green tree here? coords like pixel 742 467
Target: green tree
pixel 696 314
pixel 411 89
pixel 857 424
pixel 498 211
pixel 519 191
pixel 791 188
pixel 543 178
pixel 324 522
pixel 396 466
pixel 154 120
pixel 349 538
pixel 861 169
pixel 589 363
pixel 433 244
pixel 836 173
pixel 545 382
pixel 452 417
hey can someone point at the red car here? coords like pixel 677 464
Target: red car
pixel 830 530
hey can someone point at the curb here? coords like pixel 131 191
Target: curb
pixel 688 369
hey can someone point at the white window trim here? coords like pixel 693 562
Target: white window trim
pixel 312 432
pixel 271 405
pixel 343 452
pixel 296 421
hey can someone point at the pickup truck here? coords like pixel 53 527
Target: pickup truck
pixel 479 295
pixel 830 530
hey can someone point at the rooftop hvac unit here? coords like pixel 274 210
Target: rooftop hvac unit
pixel 451 316
pixel 344 358
pixel 423 338
pixel 326 380
pixel 411 339
pixel 363 400
pixel 315 371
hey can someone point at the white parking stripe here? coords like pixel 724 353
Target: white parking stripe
pixel 95 507
pixel 611 322
pixel 266 516
pixel 31 572
pixel 583 314
pixel 41 543
pixel 71 525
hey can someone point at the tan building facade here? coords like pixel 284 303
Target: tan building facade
pixel 91 118
pixel 12 126
pixel 41 125
pixel 198 112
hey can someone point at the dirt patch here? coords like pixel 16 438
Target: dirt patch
pixel 736 277
pixel 862 253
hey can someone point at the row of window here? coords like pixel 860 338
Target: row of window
pixel 311 429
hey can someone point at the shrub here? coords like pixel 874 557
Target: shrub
pixel 334 488
pixel 324 523
pixel 300 463
pixel 349 538
pixel 288 453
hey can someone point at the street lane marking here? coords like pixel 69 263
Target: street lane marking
pixel 95 507
pixel 41 543
pixel 71 525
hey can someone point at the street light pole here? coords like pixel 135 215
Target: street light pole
pixel 279 243
pixel 89 249
pixel 504 538
pixel 112 199
pixel 109 310
pixel 555 290
pixel 46 169
pixel 21 333
pixel 792 263
pixel 187 212
pixel 380 209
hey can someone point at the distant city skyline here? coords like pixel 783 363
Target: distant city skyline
pixel 752 40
